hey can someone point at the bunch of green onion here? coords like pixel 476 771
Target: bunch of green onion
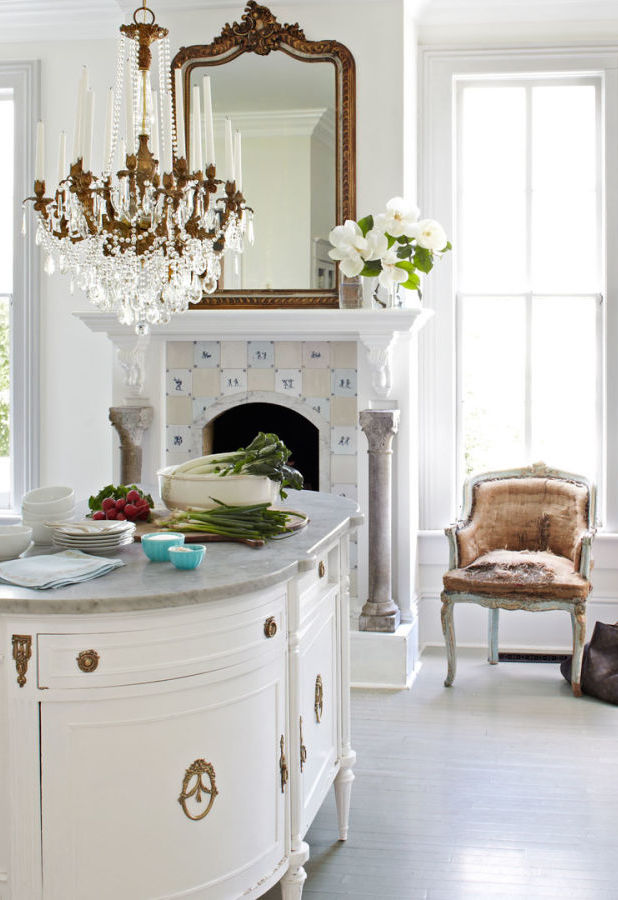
pixel 265 455
pixel 256 522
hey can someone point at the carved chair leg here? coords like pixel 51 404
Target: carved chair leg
pixel 492 637
pixel 578 619
pixel 448 629
pixel 294 879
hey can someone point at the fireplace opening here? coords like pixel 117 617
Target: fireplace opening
pixel 236 427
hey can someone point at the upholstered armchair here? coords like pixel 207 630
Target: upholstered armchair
pixel 524 543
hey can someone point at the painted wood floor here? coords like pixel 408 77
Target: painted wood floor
pixel 501 786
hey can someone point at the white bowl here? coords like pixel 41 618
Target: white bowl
pixel 41 534
pixel 29 518
pixel 50 498
pixel 186 491
pixel 14 539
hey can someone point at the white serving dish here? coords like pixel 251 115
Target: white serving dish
pixel 186 491
pixel 14 539
pixel 41 534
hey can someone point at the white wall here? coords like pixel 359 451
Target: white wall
pixel 77 442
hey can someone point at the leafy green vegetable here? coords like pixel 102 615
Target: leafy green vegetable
pixel 115 492
pixel 256 522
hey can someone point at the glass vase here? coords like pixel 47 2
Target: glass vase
pixel 350 293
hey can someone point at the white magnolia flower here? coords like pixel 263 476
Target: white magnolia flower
pixel 431 235
pixel 391 274
pixel 377 244
pixel 399 219
pixel 348 244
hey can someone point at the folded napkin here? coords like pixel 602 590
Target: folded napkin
pixel 55 570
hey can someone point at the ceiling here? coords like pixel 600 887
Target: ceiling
pixel 34 20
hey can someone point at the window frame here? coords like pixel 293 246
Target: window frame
pixel 439 70
pixel 529 82
pixel 23 78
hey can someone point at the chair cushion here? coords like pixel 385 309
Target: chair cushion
pixel 502 573
pixel 531 513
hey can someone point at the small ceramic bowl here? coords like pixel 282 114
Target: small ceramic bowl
pixel 14 539
pixel 157 545
pixel 189 556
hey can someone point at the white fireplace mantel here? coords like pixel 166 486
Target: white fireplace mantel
pixel 376 330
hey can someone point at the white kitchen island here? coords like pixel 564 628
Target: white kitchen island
pixel 172 734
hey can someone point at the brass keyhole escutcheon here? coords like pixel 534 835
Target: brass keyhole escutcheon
pixel 319 699
pixel 283 766
pixel 270 627
pixel 321 569
pixel 198 770
pixel 303 749
pixel 88 660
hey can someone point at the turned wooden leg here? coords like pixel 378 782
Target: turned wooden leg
pixel 343 790
pixel 492 638
pixel 578 619
pixel 448 629
pixel 294 879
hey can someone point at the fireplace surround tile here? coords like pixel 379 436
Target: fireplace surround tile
pixel 206 382
pixel 343 411
pixel 321 405
pixel 260 379
pixel 316 354
pixel 343 469
pixel 288 381
pixel 343 439
pixel 233 354
pixel 179 355
pixel 179 410
pixel 316 383
pixel 179 382
pixel 344 382
pixel 343 355
pixel 288 355
pixel 206 354
pixel 261 354
pixel 178 439
pixel 233 381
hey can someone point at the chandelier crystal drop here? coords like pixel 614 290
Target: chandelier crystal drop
pixel 145 241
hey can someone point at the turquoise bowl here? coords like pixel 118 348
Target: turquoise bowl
pixel 157 545
pixel 188 557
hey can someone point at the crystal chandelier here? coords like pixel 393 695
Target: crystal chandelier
pixel 146 241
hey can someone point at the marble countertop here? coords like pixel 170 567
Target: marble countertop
pixel 228 569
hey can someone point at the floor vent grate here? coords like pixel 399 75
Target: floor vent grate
pixel 533 657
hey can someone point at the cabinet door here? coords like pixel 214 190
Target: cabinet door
pixel 115 768
pixel 319 706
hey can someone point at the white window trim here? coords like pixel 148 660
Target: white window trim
pixel 23 78
pixel 439 67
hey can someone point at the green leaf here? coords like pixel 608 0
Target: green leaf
pixel 423 259
pixel 365 224
pixel 406 265
pixel 403 239
pixel 449 246
pixel 405 252
pixel 372 268
pixel 391 240
pixel 412 282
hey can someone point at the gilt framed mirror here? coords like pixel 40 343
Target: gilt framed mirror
pixel 292 101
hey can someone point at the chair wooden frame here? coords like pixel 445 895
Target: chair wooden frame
pixel 576 606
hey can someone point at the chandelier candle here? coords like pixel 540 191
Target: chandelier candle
pixel 145 241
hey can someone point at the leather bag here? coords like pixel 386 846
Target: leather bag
pixel 600 665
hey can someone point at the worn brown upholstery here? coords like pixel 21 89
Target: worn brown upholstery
pixel 503 573
pixel 543 514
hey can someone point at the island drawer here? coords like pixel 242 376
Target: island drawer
pixel 176 649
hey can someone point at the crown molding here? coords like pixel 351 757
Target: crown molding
pixel 273 122
pixel 454 12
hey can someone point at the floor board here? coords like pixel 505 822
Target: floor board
pixel 503 786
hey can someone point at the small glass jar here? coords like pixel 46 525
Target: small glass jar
pixel 350 292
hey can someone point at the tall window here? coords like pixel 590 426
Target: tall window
pixel 528 235
pixel 7 167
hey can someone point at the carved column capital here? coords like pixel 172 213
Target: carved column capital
pixel 131 422
pixel 380 427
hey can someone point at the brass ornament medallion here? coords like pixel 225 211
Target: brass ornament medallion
pixel 198 770
pixel 88 660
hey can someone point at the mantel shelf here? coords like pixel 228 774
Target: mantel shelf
pixel 276 324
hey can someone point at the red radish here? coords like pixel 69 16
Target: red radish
pixel 120 517
pixel 144 513
pixel 99 515
pixel 108 503
pixel 130 510
pixel 111 514
pixel 120 503
pixel 133 497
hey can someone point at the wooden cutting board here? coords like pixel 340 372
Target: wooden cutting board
pixel 202 537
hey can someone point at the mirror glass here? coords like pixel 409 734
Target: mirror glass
pixel 285 111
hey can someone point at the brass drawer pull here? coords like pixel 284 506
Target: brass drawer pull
pixel 283 766
pixel 319 699
pixel 198 770
pixel 88 660
pixel 321 569
pixel 303 749
pixel 270 627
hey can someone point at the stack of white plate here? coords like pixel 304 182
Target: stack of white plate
pixel 92 536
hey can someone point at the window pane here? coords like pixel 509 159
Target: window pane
pixel 5 463
pixel 565 239
pixel 564 383
pixel 493 382
pixel 492 185
pixel 6 196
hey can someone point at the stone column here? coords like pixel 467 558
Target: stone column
pixel 380 612
pixel 131 422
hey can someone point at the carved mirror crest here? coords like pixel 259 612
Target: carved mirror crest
pixel 298 129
